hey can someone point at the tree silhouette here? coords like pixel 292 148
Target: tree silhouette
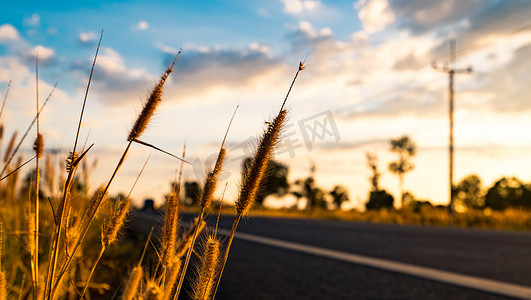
pixel 405 148
pixel 372 162
pixel 192 193
pixel 339 195
pixel 468 192
pixel 508 192
pixel 308 189
pixel 378 199
pixel 414 204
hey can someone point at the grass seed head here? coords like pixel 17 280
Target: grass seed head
pixel 38 145
pixel 132 284
pixel 171 226
pixel 186 241
pixel 257 170
pixel 149 108
pixel 172 274
pixel 212 180
pixel 153 291
pixel 116 223
pixel 29 241
pixel 72 157
pixel 206 279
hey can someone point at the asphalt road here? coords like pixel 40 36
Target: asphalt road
pixel 260 271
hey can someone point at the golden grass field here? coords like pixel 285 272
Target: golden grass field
pixel 56 235
pixel 510 219
pixel 62 241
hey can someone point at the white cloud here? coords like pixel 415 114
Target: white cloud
pixel 259 47
pixel 497 51
pixel 87 37
pixel 375 14
pixel 325 31
pixel 360 36
pixel 166 49
pixel 435 13
pixel 300 6
pixel 111 61
pixel 22 74
pixel 307 28
pixel 8 32
pixel 142 25
pixel 45 54
pixel 115 82
pixel 34 20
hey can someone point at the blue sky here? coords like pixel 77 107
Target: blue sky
pixel 369 65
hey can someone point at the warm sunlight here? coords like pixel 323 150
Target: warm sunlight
pixel 385 111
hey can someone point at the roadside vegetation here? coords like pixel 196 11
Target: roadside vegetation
pixel 506 204
pixel 62 239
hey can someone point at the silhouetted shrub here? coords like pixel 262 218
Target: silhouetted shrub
pixel 379 199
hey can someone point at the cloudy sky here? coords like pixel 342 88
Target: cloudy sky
pixel 369 79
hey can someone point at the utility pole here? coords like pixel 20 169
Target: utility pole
pixel 451 70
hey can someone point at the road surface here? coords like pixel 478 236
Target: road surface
pixel 278 258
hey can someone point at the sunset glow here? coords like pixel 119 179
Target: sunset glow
pixel 369 74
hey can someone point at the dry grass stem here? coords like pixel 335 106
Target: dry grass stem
pixel 212 177
pixel 186 241
pixel 19 165
pixel 10 147
pixel 139 126
pixel 116 223
pixel 171 219
pixel 158 89
pixel 173 272
pixel 86 92
pixel 3 286
pixel 38 147
pixel 5 97
pixel 3 281
pixel 71 166
pixel 76 218
pixel 132 284
pixel 187 246
pixel 158 149
pixel 14 152
pixel 255 174
pixel 153 291
pixel 206 197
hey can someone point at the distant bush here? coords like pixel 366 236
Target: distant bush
pixel 508 193
pixel 379 199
